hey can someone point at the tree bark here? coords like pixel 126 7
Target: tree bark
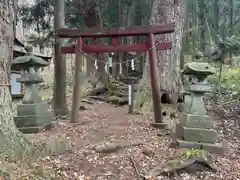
pixel 202 26
pixel 92 18
pixel 59 94
pixel 216 18
pixel 166 11
pixel 13 143
pixel 194 27
pixel 231 20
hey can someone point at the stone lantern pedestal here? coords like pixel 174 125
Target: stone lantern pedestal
pixel 195 129
pixel 33 114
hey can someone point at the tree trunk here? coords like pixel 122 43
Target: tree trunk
pixel 185 39
pixel 92 18
pixel 59 94
pixel 13 143
pixel 120 24
pixel 165 11
pixel 194 29
pixel 216 18
pixel 202 36
pixel 231 20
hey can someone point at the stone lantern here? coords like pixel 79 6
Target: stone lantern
pixel 33 114
pixel 195 129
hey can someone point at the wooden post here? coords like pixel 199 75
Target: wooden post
pixel 77 82
pixel 114 69
pixel 130 98
pixel 154 80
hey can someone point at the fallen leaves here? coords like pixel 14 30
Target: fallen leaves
pixel 191 161
pixel 101 122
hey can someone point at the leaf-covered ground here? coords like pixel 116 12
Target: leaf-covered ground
pixel 103 122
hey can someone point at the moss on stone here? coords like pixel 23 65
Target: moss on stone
pixel 187 161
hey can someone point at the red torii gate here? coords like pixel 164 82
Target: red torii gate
pixel 115 33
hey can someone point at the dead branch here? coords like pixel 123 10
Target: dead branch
pixel 138 175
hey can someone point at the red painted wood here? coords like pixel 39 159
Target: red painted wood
pixel 67 49
pixel 154 80
pixel 77 81
pixel 116 32
pixel 117 48
pixel 114 41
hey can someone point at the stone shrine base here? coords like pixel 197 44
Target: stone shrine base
pixel 33 118
pixel 160 125
pixel 31 130
pixel 34 123
pixel 212 148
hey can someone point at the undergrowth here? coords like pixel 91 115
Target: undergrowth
pixel 230 79
pixel 230 76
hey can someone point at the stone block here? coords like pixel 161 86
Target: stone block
pixel 32 109
pixel 199 88
pixel 196 121
pixel 197 105
pixel 33 120
pixel 188 144
pixel 200 135
pixel 31 130
pixel 213 148
pixel 160 125
pixel 179 134
pixel 187 103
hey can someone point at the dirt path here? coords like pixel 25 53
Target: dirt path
pixel 102 122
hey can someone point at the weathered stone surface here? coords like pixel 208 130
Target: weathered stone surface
pixel 30 130
pixel 187 103
pixel 160 125
pixel 195 127
pixel 213 148
pixel 33 120
pixel 199 88
pixel 32 109
pixel 33 114
pixel 199 68
pixel 196 121
pixel 197 105
pixel 200 135
pixel 188 144
pixel 179 131
pixel 29 60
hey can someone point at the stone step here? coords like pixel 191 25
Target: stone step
pixel 32 109
pixel 199 135
pixel 212 148
pixel 33 120
pixel 36 129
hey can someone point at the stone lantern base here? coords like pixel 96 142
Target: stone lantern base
pixel 196 131
pixel 32 118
